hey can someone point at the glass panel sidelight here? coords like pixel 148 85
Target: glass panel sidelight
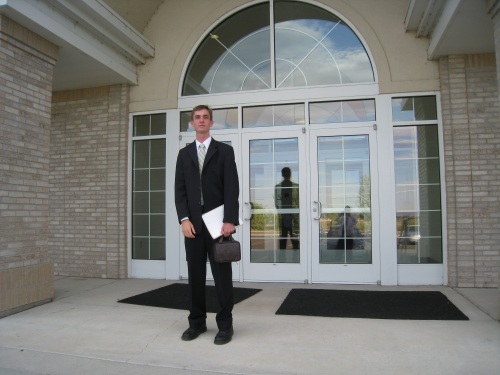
pixel 344 192
pixel 418 194
pixel 274 197
pixel 148 188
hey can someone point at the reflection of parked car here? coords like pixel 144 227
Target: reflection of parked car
pixel 413 233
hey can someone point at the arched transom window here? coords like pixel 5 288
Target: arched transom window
pixel 274 45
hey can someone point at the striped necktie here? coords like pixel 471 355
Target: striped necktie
pixel 201 156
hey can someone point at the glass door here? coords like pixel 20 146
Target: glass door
pixel 344 205
pixel 274 235
pixel 232 140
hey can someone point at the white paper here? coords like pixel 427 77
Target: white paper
pixel 213 221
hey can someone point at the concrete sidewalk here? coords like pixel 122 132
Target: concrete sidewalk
pixel 85 331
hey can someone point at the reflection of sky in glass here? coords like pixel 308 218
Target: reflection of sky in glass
pixel 402 109
pixel 245 64
pixel 267 159
pixel 273 115
pixel 414 108
pixel 312 49
pixel 416 168
pixel 343 172
pixel 418 188
pixel 406 166
pixel 323 52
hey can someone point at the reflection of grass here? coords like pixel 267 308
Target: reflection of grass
pixel 262 221
pixel 266 233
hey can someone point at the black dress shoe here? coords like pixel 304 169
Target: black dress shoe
pixel 223 337
pixel 191 333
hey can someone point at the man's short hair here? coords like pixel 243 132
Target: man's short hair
pixel 201 107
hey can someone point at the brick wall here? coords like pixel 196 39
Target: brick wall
pixel 88 182
pixel 470 108
pixel 494 10
pixel 26 68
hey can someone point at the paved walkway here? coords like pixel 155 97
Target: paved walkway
pixel 85 331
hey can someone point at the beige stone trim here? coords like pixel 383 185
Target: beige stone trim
pixel 23 287
pixel 29 38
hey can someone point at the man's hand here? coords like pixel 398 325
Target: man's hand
pixel 188 228
pixel 227 229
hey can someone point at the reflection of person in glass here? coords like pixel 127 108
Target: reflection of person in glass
pixel 287 196
pixel 347 224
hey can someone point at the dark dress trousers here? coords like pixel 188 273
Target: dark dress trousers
pixel 219 181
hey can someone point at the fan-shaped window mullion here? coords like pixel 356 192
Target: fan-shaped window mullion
pixel 236 54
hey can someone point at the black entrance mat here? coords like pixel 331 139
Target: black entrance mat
pixel 175 296
pixel 412 305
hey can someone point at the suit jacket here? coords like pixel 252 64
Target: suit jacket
pixel 219 181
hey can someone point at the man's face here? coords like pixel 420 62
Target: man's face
pixel 201 122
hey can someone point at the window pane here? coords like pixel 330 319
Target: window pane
pixel 141 154
pixel 226 118
pixel 428 171
pixel 430 197
pixel 141 203
pixel 257 116
pixel 157 153
pixel 140 225
pixel 145 125
pixel 273 115
pixel 158 124
pixel 157 202
pixel 345 195
pixel 235 56
pixel 358 110
pixel 140 248
pixel 427 141
pixel 185 121
pixel 141 125
pixel 425 108
pixel 148 196
pixel 342 111
pixel 157 249
pixel 418 194
pixel 157 179
pixel 157 225
pixel 274 195
pixel 141 180
pixel 314 47
pixel 402 109
pixel 324 113
pixel 414 108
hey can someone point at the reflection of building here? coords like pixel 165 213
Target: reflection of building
pixel 90 132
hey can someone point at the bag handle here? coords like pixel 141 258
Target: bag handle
pixel 230 238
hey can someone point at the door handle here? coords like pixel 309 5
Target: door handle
pixel 250 210
pixel 319 210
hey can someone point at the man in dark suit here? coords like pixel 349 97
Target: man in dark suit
pixel 205 178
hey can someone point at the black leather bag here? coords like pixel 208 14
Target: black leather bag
pixel 226 249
